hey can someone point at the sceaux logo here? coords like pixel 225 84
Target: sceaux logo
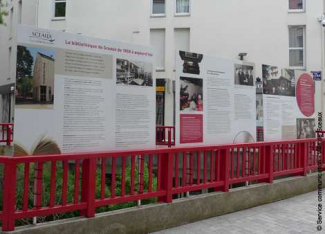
pixel 43 37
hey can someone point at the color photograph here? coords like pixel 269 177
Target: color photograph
pixel 35 77
pixel 191 94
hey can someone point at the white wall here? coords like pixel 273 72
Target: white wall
pixel 122 20
pixel 217 27
pixel 257 27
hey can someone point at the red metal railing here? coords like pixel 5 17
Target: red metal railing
pixel 84 182
pixel 6 135
pixel 259 134
pixel 165 135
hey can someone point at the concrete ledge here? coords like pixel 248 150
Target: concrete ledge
pixel 153 218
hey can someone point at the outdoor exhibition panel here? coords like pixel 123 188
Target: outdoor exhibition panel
pixel 79 94
pixel 215 100
pixel 289 104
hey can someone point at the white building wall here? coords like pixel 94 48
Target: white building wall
pixel 257 27
pixel 217 27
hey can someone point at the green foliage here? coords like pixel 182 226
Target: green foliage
pixel 3 12
pixel 24 63
pixel 70 190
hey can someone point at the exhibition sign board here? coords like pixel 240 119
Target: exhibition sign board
pixel 215 100
pixel 79 94
pixel 289 104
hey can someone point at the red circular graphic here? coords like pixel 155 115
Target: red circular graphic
pixel 306 95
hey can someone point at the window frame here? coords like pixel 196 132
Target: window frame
pixel 160 69
pixel 298 48
pixel 182 14
pixel 297 10
pixel 159 14
pixel 54 7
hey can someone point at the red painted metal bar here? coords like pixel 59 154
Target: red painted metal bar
pixel 123 176
pixel 198 168
pixel 205 167
pixel 141 173
pixel 257 161
pixel 165 135
pixel 38 189
pixel 184 177
pixel 150 172
pixel 133 173
pixel 176 170
pixel 65 183
pixel 26 186
pixel 113 184
pixel 103 178
pixel 52 184
pixel 7 133
pixel 76 182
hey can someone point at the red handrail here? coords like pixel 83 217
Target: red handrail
pixel 142 174
pixel 259 134
pixel 6 135
pixel 165 135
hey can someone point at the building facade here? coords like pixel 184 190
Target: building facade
pixel 284 33
pixel 43 81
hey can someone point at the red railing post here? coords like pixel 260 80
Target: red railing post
pixel 303 157
pixel 9 197
pixel 225 156
pixel 166 178
pixel 89 186
pixel 269 161
pixel 8 135
pixel 169 137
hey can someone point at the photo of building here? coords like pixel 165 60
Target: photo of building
pixel 35 77
pixel 43 80
pixel 133 73
pixel 275 83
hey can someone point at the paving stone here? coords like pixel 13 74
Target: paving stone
pixel 293 216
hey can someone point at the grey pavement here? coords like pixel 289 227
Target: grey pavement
pixel 295 215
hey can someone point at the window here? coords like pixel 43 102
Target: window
pixel 296 46
pixel 181 40
pixel 296 5
pixel 157 41
pixel 59 8
pixel 182 7
pixel 158 7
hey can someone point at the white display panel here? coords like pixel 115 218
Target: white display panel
pixel 81 94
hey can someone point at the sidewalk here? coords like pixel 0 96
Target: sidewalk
pixel 292 216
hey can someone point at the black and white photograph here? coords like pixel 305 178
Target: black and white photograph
pixel 191 94
pixel 191 63
pixel 133 73
pixel 35 77
pixel 277 83
pixel 306 128
pixel 244 75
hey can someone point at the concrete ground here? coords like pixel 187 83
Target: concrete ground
pixel 295 215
